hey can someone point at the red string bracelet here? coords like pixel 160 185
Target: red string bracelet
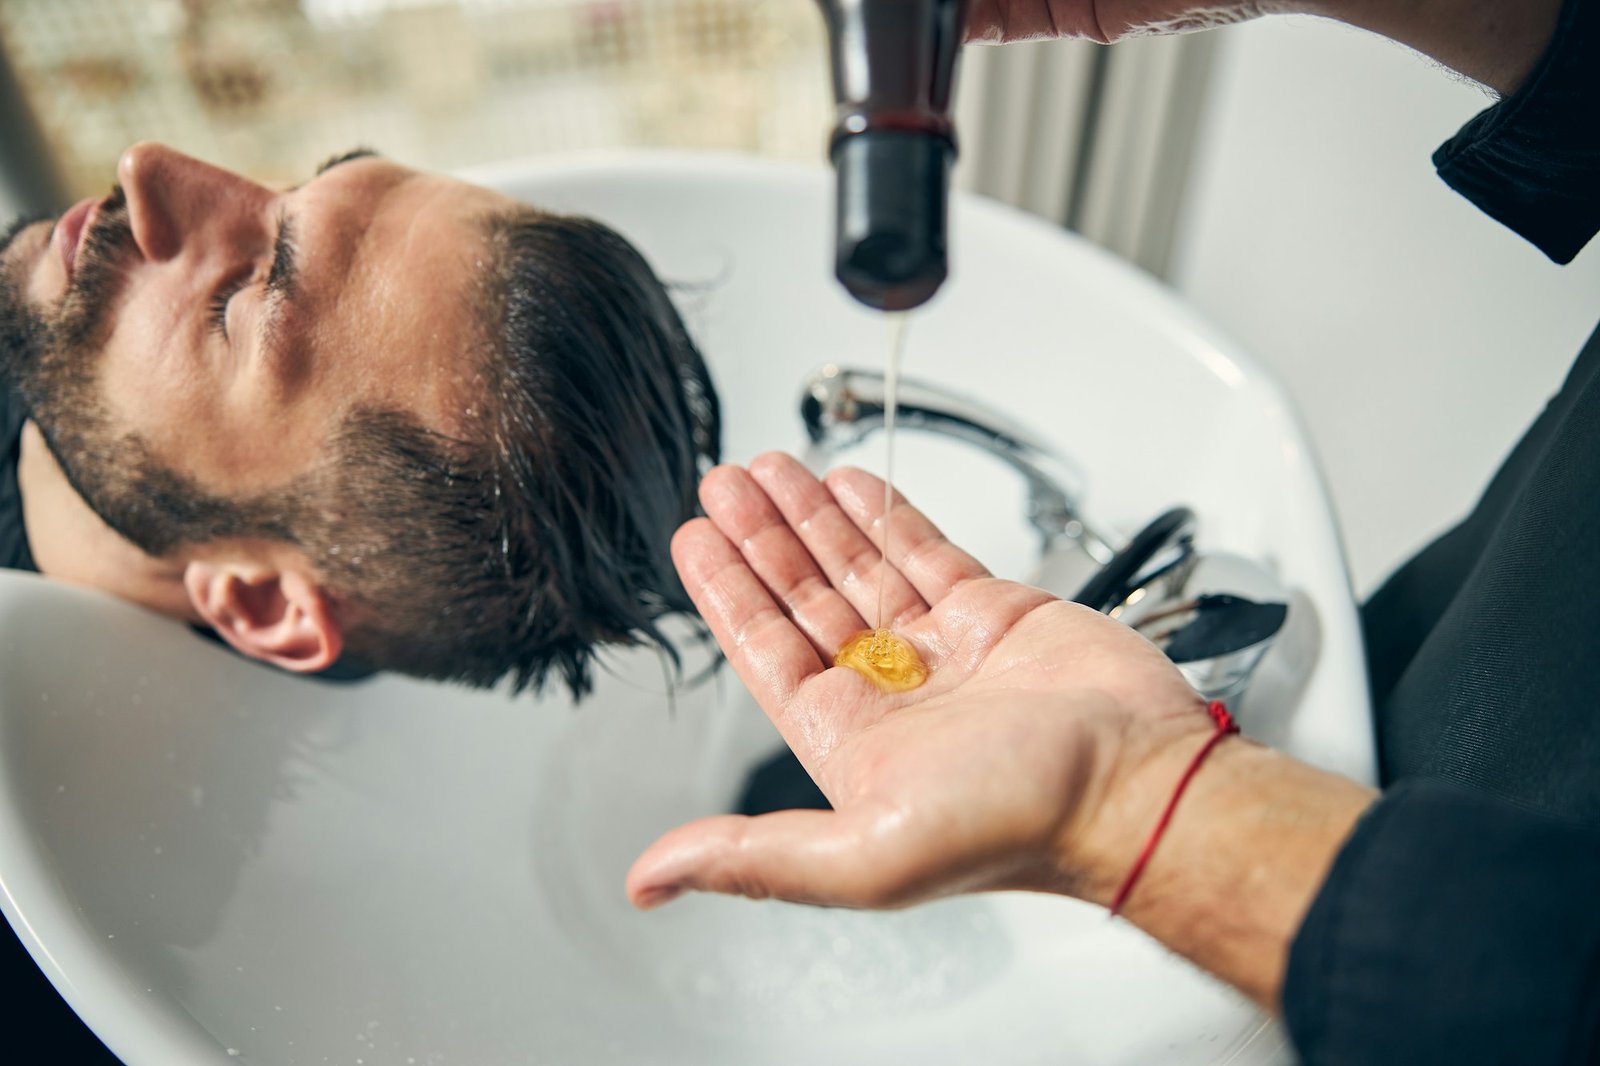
pixel 1225 725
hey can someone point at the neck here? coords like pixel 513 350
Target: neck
pixel 69 542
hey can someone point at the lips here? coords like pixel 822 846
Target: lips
pixel 69 233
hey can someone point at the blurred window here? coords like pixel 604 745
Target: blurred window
pixel 269 87
pixel 1097 139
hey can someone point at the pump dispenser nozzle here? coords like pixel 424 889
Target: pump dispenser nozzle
pixel 894 64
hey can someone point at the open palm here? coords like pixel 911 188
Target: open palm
pixel 981 778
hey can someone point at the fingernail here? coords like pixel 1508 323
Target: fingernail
pixel 655 897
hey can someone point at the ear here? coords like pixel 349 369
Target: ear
pixel 278 616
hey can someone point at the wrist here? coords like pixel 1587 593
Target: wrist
pixel 1096 854
pixel 1248 846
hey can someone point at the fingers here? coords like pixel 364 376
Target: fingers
pixel 851 559
pixel 931 563
pixel 801 536
pixel 747 517
pixel 769 654
pixel 998 21
pixel 823 857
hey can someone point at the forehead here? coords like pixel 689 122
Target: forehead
pixel 397 266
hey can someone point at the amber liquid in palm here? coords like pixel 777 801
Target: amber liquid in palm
pixel 878 655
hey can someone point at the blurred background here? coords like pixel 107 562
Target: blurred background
pixel 1275 173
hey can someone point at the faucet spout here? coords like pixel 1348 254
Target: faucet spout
pixel 842 407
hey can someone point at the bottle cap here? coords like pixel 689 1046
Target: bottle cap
pixel 893 197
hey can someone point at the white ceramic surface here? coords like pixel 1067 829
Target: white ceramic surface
pixel 216 863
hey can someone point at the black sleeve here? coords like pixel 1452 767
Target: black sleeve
pixel 1533 160
pixel 1453 928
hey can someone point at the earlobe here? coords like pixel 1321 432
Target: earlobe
pixel 278 616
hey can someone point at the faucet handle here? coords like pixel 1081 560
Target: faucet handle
pixel 1162 553
pixel 1216 623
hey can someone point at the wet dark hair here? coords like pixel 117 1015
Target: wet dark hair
pixel 519 552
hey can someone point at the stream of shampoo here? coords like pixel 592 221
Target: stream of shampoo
pixel 878 654
pixel 891 402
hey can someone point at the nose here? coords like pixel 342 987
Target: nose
pixel 176 202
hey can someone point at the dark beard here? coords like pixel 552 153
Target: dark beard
pixel 13 231
pixel 21 330
pixel 51 360
pixel 23 333
pixel 85 315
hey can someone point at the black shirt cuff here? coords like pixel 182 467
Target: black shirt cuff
pixel 1452 928
pixel 1533 160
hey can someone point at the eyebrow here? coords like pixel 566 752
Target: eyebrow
pixel 345 157
pixel 337 160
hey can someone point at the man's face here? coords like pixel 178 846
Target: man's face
pixel 231 326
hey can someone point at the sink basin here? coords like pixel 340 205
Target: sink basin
pixel 216 863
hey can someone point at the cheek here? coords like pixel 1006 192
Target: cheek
pixel 160 392
pixel 226 433
pixel 147 384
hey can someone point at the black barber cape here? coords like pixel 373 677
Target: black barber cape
pixel 1460 924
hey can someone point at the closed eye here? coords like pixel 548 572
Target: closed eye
pixel 217 308
pixel 280 279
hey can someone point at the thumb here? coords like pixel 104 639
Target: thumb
pixel 842 859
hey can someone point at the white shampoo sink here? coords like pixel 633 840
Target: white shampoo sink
pixel 216 863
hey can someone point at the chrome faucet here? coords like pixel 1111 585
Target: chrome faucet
pixel 1215 614
pixel 841 408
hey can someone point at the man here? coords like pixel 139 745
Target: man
pixel 1452 918
pixel 381 420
